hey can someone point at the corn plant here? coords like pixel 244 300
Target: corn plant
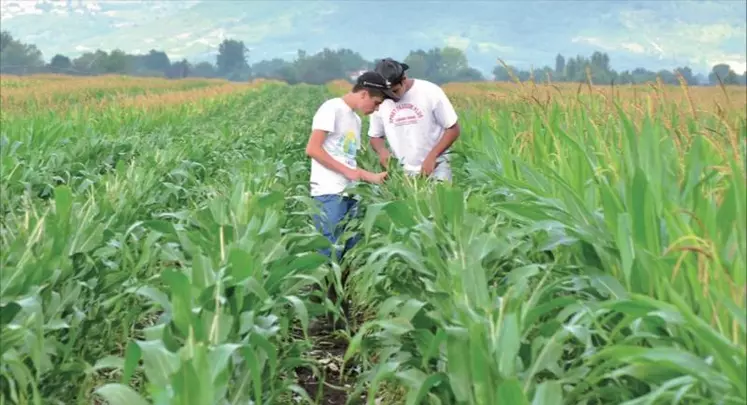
pixel 151 258
pixel 159 250
pixel 573 261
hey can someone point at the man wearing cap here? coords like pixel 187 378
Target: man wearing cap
pixel 333 147
pixel 420 126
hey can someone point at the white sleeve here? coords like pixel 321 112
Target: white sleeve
pixel 375 125
pixel 324 118
pixel 443 111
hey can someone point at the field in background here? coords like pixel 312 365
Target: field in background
pixel 157 248
pixel 730 101
pixel 71 94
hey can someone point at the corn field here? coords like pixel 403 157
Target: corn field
pixel 157 248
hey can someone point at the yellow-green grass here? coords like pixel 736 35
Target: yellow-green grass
pixel 59 94
pixel 590 251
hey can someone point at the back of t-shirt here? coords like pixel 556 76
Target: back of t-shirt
pixel 343 140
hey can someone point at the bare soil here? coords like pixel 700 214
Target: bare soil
pixel 327 388
pixel 330 387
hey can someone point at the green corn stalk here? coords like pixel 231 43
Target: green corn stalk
pixel 582 256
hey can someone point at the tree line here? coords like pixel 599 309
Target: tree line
pixel 580 68
pixel 440 65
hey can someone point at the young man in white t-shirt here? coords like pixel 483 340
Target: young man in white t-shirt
pixel 333 146
pixel 420 126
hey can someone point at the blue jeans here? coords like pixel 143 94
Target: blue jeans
pixel 336 210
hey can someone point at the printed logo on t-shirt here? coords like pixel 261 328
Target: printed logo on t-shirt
pixel 405 114
pixel 347 146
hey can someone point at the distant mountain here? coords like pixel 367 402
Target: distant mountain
pixel 651 34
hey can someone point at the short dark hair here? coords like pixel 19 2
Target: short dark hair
pixel 371 92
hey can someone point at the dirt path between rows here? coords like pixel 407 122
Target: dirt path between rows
pixel 329 388
pixel 328 352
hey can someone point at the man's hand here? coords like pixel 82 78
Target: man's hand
pixel 379 146
pixel 374 178
pixel 384 157
pixel 429 165
pixel 450 135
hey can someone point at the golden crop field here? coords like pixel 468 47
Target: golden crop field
pixel 157 248
pixel 58 93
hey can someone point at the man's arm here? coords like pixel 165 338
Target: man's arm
pixel 450 135
pixel 446 117
pixel 315 151
pixel 376 136
pixel 379 146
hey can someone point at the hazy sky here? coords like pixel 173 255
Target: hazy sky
pixel 653 34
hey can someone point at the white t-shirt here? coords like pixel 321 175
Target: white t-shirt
pixel 343 140
pixel 414 125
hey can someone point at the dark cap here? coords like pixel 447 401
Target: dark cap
pixel 391 69
pixel 373 80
